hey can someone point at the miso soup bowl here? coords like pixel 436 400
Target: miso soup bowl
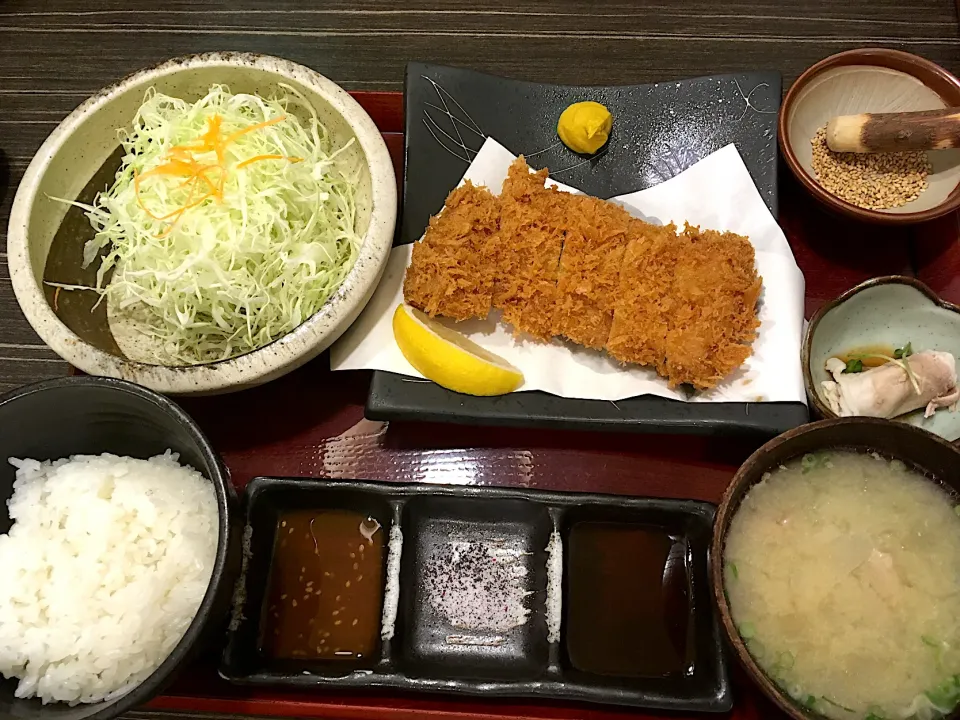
pixel 918 448
pixel 79 156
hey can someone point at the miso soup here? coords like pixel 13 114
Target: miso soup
pixel 842 569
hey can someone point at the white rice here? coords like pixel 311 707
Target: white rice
pixel 102 572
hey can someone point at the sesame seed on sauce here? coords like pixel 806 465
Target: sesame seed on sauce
pixel 309 590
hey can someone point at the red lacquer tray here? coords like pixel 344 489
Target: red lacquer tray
pixel 310 423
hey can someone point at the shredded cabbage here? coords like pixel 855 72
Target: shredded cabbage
pixel 229 224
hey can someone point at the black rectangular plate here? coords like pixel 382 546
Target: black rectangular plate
pixel 526 665
pixel 659 131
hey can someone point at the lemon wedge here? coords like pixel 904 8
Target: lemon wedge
pixel 584 127
pixel 450 359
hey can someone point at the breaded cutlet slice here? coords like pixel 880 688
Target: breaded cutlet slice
pixel 593 248
pixel 450 272
pixel 643 304
pixel 713 322
pixel 528 256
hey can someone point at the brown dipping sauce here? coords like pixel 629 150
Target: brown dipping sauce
pixel 872 350
pixel 325 592
pixel 628 603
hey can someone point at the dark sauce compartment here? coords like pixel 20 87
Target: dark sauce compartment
pixel 509 593
pixel 637 617
pixel 627 601
pixel 325 589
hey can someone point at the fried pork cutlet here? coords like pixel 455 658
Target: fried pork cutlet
pixel 450 271
pixel 714 315
pixel 572 265
pixel 644 302
pixel 530 241
pixel 594 244
pixel 686 303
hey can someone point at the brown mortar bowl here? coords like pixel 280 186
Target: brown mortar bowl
pixel 917 448
pixel 871 80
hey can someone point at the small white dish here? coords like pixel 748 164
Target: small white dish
pixel 891 311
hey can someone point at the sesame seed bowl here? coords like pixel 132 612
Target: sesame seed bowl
pixel 890 188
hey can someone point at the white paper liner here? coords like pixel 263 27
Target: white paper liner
pixel 716 193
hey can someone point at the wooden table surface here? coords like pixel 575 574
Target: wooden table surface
pixel 54 54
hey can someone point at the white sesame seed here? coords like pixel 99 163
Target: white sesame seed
pixel 874 181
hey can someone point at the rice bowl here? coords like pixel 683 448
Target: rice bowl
pixel 71 416
pixel 107 563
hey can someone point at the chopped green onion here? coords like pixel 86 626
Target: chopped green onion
pixel 747 630
pixel 854 366
pixel 786 660
pixel 946 695
pixel 810 701
pixel 733 570
pixel 939 646
pixel 904 352
pixel 836 704
pixel 219 253
pixel 811 461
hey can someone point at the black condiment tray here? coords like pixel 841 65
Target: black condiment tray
pixel 417 658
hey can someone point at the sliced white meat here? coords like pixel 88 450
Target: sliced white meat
pixel 887 392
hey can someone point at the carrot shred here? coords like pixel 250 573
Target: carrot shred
pixel 257 126
pixel 257 158
pixel 181 161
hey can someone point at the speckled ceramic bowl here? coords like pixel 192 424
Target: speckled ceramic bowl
pixel 76 158
pixel 891 310
pixel 871 80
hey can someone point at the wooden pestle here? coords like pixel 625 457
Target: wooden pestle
pixel 895 132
